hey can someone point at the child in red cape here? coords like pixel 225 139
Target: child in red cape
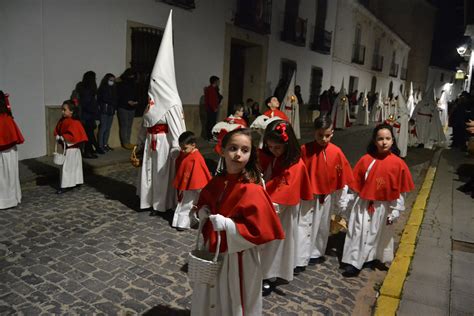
pixel 274 106
pixel 191 176
pixel 10 136
pixel 287 183
pixel 70 134
pixel 381 180
pixel 330 173
pixel 243 213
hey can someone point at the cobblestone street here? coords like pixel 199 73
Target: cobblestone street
pixel 90 251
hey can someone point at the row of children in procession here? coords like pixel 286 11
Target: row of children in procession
pixel 272 206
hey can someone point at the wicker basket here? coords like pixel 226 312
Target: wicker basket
pixel 59 158
pixel 204 265
pixel 135 158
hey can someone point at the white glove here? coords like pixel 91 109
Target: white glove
pixel 392 216
pixel 204 212
pixel 218 222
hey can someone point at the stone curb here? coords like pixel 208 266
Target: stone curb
pixel 391 290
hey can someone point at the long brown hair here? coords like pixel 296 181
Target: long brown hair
pixel 251 172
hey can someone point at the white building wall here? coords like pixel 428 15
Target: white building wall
pixel 443 79
pixel 349 15
pixel 304 57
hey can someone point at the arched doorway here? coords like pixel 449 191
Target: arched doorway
pixel 390 89
pixel 373 84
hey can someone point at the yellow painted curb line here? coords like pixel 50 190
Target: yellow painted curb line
pixel 391 290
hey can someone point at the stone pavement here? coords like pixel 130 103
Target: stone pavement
pixel 91 251
pixel 441 281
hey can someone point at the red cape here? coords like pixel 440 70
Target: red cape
pixel 247 204
pixel 280 114
pixel 388 178
pixel 326 175
pixel 288 186
pixel 71 130
pixel 10 134
pixel 191 172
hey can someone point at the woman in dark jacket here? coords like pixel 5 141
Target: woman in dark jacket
pixel 87 91
pixel 107 99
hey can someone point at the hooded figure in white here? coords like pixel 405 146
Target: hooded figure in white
pixel 363 113
pixel 163 123
pixel 402 133
pixel 378 110
pixel 443 110
pixel 411 101
pixel 340 109
pixel 291 108
pixel 428 123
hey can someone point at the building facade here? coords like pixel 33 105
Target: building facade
pixel 252 45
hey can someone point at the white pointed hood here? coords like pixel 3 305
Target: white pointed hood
pixel 411 101
pixel 162 92
pixel 342 94
pixel 289 92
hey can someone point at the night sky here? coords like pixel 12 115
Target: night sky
pixel 449 33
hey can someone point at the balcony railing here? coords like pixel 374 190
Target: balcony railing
pixel 358 54
pixel 254 15
pixel 393 70
pixel 403 74
pixel 295 34
pixel 322 41
pixel 377 63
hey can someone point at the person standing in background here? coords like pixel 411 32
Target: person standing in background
pixel 87 92
pixel 107 99
pixel 127 103
pixel 212 99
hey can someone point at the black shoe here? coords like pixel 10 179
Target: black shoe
pixel 108 148
pixel 298 270
pixel 350 271
pixel 266 288
pixel 154 213
pixel 100 151
pixel 60 191
pixel 315 261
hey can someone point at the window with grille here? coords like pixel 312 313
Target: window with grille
pixel 145 44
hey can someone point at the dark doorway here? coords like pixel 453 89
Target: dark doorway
pixel 236 75
pixel 353 83
pixel 390 89
pixel 316 84
pixel 373 84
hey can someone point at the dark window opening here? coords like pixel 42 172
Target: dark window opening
pixel 145 44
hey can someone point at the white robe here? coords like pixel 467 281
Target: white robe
pixel 340 114
pixel 278 256
pixel 363 115
pixel 10 190
pixel 368 237
pixel 402 135
pixel 181 218
pixel 428 126
pixel 314 223
pixel 223 297
pixel 293 116
pixel 71 171
pixel 156 176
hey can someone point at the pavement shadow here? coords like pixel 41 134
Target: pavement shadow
pixel 162 310
pixel 43 173
pixel 335 245
pixel 115 190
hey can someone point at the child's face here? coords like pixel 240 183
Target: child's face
pixel 323 136
pixel 277 149
pixel 236 153
pixel 66 111
pixel 274 103
pixel 239 112
pixel 383 141
pixel 187 148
